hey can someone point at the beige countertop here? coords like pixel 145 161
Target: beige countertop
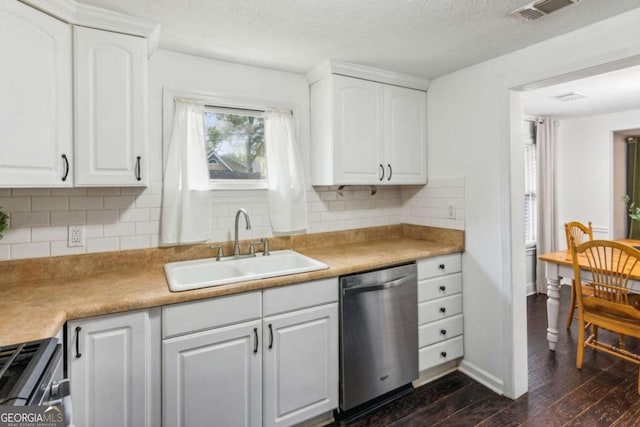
pixel 37 308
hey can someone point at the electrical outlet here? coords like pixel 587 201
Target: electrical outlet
pixel 451 209
pixel 76 235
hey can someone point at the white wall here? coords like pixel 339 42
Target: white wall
pixel 128 218
pixel 586 172
pixel 473 133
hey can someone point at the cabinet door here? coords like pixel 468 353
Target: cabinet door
pixel 35 93
pixel 300 365
pixel 213 377
pixel 358 131
pixel 110 98
pixel 114 366
pixel 405 135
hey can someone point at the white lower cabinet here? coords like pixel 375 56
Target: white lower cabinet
pixel 213 377
pixel 113 363
pixel 261 358
pixel 440 319
pixel 300 365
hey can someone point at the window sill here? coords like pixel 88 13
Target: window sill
pixel 238 185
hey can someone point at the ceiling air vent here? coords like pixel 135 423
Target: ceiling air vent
pixel 541 8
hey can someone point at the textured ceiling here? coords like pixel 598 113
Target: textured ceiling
pixel 604 93
pixel 424 38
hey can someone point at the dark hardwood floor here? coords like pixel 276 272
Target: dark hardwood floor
pixel 603 393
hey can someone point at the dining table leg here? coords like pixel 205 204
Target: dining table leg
pixel 553 303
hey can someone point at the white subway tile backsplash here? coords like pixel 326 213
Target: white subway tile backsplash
pixel 29 219
pixel 30 192
pixel 5 192
pixel 119 202
pixel 129 218
pixel 148 227
pixel 5 252
pixel 85 203
pixel 120 229
pixel 106 191
pixel 103 217
pixel 62 248
pixel 16 235
pixel 135 214
pixel 135 242
pixel 68 218
pixel 50 204
pixel 14 204
pixel 103 245
pixel 48 234
pixel 151 201
pixel 69 192
pixel 30 250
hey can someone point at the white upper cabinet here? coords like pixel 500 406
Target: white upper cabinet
pixel 366 132
pixel 405 135
pixel 110 114
pixel 357 129
pixel 35 93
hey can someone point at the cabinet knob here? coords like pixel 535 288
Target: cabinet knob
pixel 443 310
pixel 443 332
pixel 441 266
pixel 443 354
pixel 443 288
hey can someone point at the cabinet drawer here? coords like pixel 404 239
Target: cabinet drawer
pixel 439 266
pixel 439 331
pixel 199 315
pixel 439 287
pixel 294 297
pixel 439 309
pixel 440 353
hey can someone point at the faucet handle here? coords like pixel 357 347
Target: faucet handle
pixel 265 245
pixel 220 254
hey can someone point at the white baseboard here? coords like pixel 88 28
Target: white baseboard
pixel 436 372
pixel 482 376
pixel 531 288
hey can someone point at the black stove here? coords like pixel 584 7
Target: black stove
pixel 29 373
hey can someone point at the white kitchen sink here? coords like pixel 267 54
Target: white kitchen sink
pixel 202 273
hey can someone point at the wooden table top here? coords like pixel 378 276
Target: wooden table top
pixel 564 258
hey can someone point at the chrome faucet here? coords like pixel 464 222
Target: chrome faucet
pixel 236 246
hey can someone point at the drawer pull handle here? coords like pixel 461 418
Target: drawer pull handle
pixel 443 354
pixel 441 266
pixel 78 355
pixel 382 170
pixel 443 332
pixel 255 338
pixel 270 337
pixel 443 288
pixel 443 310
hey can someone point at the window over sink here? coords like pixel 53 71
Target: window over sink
pixel 234 140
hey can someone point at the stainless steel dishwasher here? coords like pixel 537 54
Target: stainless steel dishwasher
pixel 378 334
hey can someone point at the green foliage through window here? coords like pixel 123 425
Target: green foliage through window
pixel 235 145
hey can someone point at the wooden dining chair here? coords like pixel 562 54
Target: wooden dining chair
pixel 613 306
pixel 580 233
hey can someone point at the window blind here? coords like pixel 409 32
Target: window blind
pixel 530 179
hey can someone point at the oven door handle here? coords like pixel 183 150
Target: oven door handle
pixel 381 286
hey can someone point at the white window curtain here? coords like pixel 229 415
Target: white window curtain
pixel 286 189
pixel 546 136
pixel 186 204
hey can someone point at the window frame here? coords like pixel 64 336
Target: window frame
pixel 231 102
pixel 237 184
pixel 531 196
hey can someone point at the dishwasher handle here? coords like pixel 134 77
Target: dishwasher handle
pixel 380 286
